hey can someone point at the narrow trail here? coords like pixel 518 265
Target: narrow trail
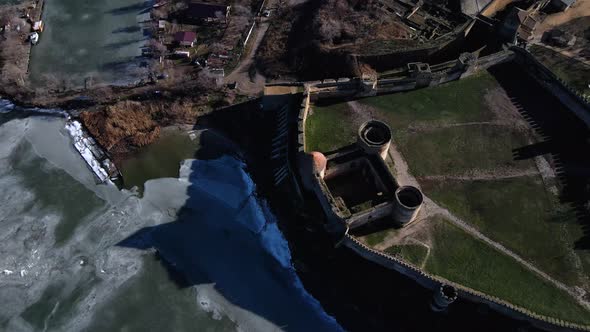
pixel 430 208
pixel 485 175
pixel 241 74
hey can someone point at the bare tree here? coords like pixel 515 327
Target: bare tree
pixel 157 47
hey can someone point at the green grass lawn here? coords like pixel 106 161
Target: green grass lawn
pixel 575 73
pixel 413 253
pixel 329 128
pixel 458 101
pixel 457 256
pixel 377 237
pixel 457 150
pixel 518 213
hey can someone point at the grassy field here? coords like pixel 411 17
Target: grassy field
pixel 455 102
pixel 518 213
pixel 459 257
pixel 375 238
pixel 413 253
pixel 457 150
pixel 575 73
pixel 329 128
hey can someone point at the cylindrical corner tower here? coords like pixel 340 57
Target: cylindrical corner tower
pixel 374 137
pixel 444 296
pixel 408 201
pixel 319 163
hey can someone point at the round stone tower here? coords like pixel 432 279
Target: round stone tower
pixel 309 165
pixel 374 137
pixel 444 296
pixel 408 201
pixel 319 163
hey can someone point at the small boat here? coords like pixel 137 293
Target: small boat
pixel 34 38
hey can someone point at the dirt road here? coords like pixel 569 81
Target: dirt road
pixel 580 9
pixel 240 75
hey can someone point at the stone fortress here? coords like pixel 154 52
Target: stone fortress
pixel 354 185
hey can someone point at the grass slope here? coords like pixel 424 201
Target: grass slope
pixel 413 253
pixel 459 257
pixel 457 150
pixel 518 213
pixel 329 128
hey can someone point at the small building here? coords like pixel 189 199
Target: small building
pixel 186 38
pixel 161 25
pixel 182 54
pixel 562 5
pixel 520 24
pixel 38 26
pixel 208 12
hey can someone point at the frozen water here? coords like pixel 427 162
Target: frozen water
pixel 209 225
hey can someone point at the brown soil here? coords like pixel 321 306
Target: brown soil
pixel 580 9
pixel 127 125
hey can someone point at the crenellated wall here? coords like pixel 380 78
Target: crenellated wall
pixel 572 99
pixel 405 81
pixel 433 282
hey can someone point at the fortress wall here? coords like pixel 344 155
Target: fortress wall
pixel 433 282
pixel 377 212
pixel 573 100
pixel 355 87
pixel 398 58
pixel 440 74
pixel 347 88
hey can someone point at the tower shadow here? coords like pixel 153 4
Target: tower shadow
pixel 565 139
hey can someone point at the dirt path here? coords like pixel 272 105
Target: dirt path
pixel 240 73
pixel 361 112
pixel 430 209
pixel 580 9
pixel 480 175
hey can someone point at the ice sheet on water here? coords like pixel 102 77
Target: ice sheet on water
pixel 83 145
pixel 224 182
pixel 252 263
pixel 6 106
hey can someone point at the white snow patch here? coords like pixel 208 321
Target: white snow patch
pixel 6 106
pixel 83 144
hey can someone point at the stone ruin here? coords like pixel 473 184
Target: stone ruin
pixel 354 185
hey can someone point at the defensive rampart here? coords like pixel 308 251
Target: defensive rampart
pixel 421 75
pixel 572 99
pixel 433 282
